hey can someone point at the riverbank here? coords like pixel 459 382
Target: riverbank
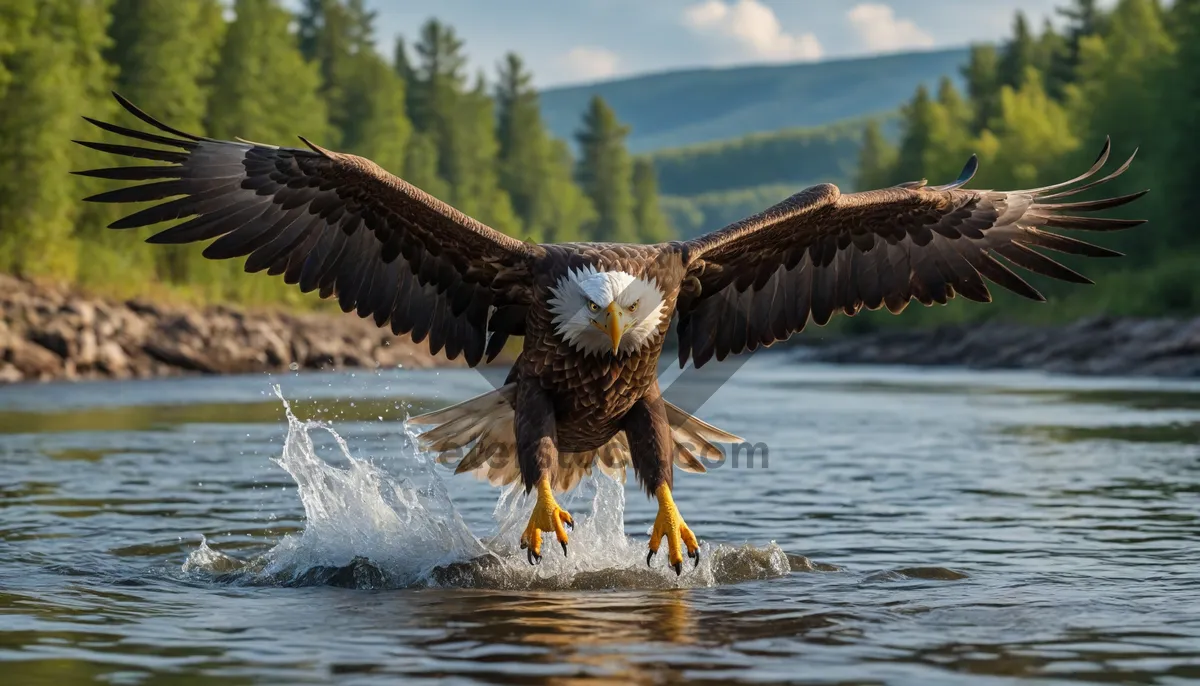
pixel 1096 346
pixel 49 333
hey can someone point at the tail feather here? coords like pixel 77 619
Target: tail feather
pixel 695 438
pixel 485 423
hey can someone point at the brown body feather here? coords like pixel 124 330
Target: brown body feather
pixel 341 225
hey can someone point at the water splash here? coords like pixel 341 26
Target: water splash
pixel 367 528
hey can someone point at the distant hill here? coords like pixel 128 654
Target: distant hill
pixel 790 156
pixel 708 185
pixel 680 108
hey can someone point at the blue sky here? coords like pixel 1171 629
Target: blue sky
pixel 571 41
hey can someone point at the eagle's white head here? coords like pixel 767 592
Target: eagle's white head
pixel 600 312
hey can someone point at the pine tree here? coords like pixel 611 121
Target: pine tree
pixel 436 87
pixel 535 170
pixel 920 119
pixel 401 63
pixel 571 212
pixel 982 74
pixel 263 89
pixel 1020 53
pixel 1051 49
pixel 421 154
pixel 652 226
pixel 403 68
pixel 338 35
pixel 605 173
pixel 366 100
pixel 165 52
pixel 55 70
pixel 381 129
pixel 477 191
pixel 1180 82
pixel 1034 134
pixel 950 139
pixel 876 158
pixel 1084 19
pixel 1121 92
pixel 421 166
pixel 461 125
pixel 524 147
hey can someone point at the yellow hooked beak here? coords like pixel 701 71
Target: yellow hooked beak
pixel 614 325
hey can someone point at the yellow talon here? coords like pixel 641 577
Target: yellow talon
pixel 547 516
pixel 668 523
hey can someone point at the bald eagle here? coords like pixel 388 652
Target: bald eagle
pixel 593 316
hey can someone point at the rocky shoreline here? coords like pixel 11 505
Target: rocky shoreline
pixel 50 334
pixel 1097 346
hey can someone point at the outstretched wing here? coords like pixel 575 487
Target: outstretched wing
pixel 819 252
pixel 335 223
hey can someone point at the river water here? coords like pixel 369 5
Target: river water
pixel 909 526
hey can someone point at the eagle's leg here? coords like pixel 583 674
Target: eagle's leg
pixel 651 450
pixel 537 456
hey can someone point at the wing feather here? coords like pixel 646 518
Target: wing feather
pixel 327 222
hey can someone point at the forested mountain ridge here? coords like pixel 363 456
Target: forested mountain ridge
pixel 678 108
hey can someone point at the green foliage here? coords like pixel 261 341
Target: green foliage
pixel 53 67
pixel 652 226
pixel 1020 54
pixel 1180 108
pixel 460 124
pixel 920 121
pixel 263 89
pixel 1084 19
pixel 338 36
pixel 164 52
pixel 535 169
pixel 876 158
pixel 983 84
pixel 605 171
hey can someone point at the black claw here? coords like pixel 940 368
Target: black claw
pixel 648 557
pixel 564 545
pixel 678 567
pixel 695 555
pixel 570 524
pixel 534 558
pixel 524 545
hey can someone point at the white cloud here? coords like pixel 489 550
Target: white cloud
pixel 587 62
pixel 880 30
pixel 754 27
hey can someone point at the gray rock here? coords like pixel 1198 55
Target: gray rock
pixel 10 374
pixel 34 361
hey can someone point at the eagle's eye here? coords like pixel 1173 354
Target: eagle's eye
pixel 593 306
pixel 634 306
